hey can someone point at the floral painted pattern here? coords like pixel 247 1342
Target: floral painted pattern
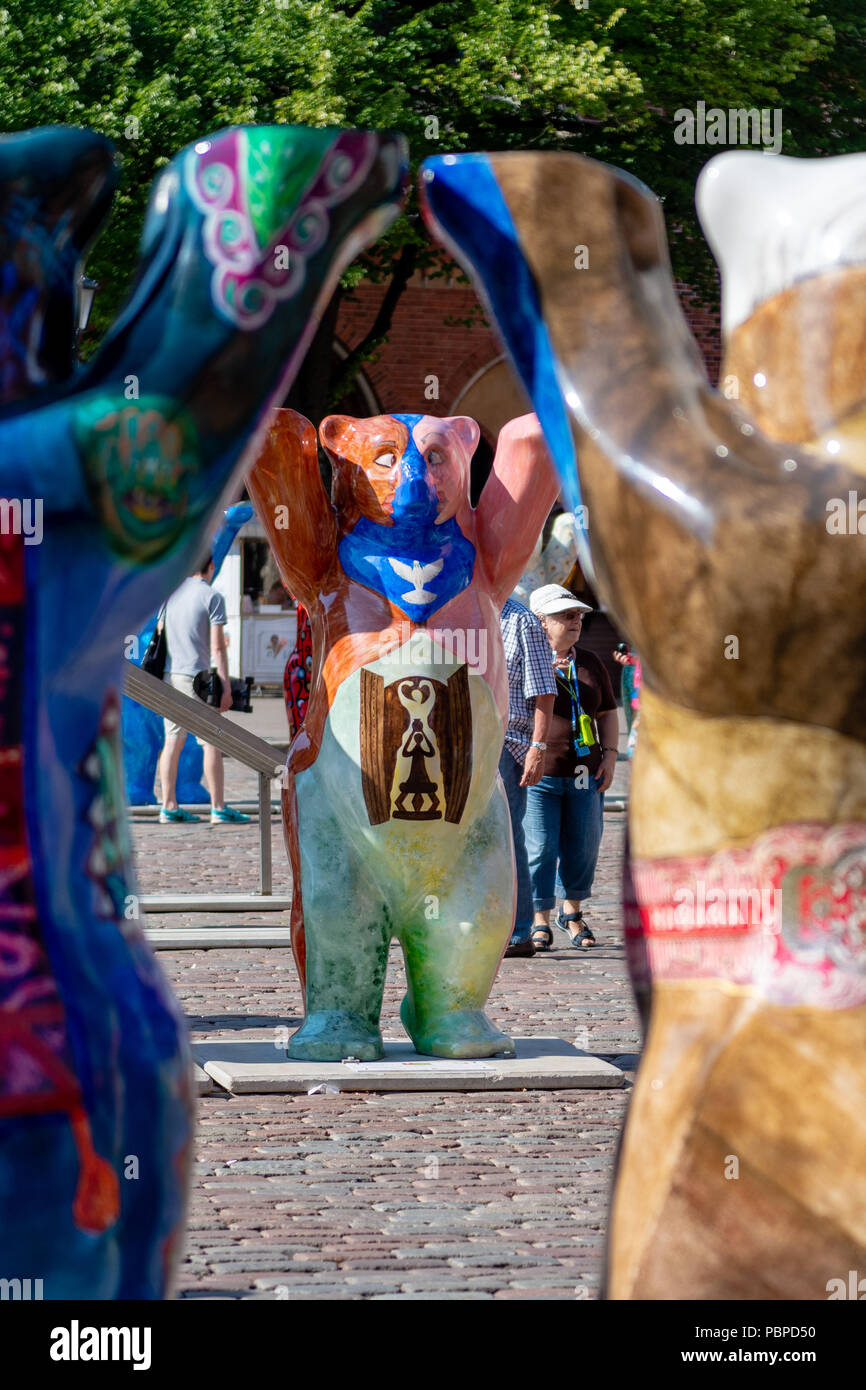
pixel 259 250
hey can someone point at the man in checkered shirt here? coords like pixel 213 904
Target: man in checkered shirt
pixel 531 690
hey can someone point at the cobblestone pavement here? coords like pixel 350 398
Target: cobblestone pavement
pixel 407 1196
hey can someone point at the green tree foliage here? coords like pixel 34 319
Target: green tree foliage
pixel 604 79
pixel 825 110
pixel 730 54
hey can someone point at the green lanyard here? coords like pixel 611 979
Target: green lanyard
pixel 581 724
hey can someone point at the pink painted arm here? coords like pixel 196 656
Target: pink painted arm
pixel 513 507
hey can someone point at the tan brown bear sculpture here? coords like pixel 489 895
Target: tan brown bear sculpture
pixel 726 553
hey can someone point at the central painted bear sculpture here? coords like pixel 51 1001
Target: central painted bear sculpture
pixel 396 820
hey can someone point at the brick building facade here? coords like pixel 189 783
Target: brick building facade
pixel 432 363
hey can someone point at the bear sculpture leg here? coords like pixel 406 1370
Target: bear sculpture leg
pixel 347 934
pixel 452 935
pixel 452 957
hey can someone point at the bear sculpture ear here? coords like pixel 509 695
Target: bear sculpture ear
pixel 467 430
pixel 335 431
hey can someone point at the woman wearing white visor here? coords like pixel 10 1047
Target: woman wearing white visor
pixel 563 822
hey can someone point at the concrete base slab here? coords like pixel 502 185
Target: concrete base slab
pixel 216 938
pixel 259 1068
pixel 216 902
pixel 203 1085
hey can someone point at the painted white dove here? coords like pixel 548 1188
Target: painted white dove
pixel 417 574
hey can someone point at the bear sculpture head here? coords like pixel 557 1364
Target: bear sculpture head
pixel 395 469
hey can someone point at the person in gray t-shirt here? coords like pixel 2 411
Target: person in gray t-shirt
pixel 195 618
pixel 191 613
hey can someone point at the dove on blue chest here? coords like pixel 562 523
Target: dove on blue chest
pixel 415 564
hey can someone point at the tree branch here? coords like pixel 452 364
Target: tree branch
pixel 379 328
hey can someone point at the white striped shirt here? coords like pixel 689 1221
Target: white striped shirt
pixel 530 673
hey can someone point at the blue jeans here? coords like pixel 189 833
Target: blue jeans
pixel 511 772
pixel 563 828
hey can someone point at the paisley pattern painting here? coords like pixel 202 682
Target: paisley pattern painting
pixel 94 1065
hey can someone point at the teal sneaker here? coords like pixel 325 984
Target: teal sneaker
pixel 170 817
pixel 228 816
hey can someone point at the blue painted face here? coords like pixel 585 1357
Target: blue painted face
pixel 414 563
pixel 415 499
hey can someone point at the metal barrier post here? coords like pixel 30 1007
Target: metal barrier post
pixel 265 885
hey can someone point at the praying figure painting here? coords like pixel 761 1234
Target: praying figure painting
pixel 130 460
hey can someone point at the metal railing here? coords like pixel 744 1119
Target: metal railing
pixel 206 723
